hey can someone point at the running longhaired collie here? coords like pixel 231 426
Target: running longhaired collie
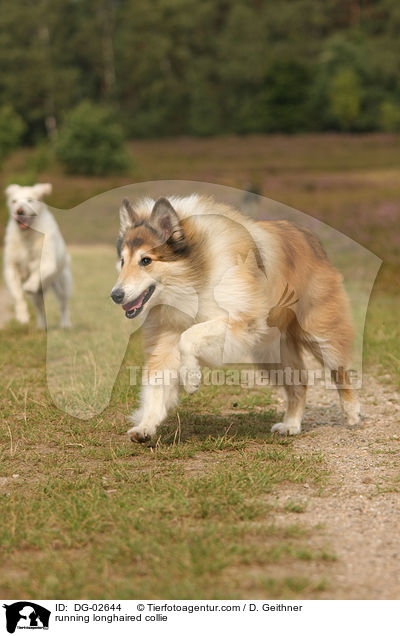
pixel 214 287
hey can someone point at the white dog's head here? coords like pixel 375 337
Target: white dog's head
pixel 25 202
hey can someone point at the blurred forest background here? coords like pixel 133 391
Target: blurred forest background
pixel 174 67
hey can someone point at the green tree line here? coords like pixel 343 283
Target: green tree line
pixel 202 67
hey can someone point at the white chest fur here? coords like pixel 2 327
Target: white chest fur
pixel 26 249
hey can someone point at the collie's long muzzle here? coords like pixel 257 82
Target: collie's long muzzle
pixel 134 308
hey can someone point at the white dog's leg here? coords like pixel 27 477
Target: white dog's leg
pixel 38 302
pixel 62 288
pixel 48 274
pixel 160 393
pixel 33 285
pixel 50 267
pixel 14 285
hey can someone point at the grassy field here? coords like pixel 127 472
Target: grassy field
pixel 87 514
pixel 193 515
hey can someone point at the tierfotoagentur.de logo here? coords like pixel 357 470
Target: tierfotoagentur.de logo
pixel 26 615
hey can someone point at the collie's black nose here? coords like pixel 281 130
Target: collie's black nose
pixel 20 211
pixel 117 295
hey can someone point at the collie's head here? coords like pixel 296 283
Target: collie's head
pixel 25 203
pixel 154 257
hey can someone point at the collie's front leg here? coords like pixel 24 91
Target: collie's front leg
pixel 160 393
pixel 203 341
pixel 155 404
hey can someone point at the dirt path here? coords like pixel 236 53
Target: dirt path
pixel 5 307
pixel 359 508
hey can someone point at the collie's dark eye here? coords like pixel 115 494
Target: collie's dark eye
pixel 145 261
pixel 122 262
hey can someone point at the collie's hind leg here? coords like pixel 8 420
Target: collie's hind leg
pixel 330 358
pixel 348 398
pixel 296 400
pixel 295 393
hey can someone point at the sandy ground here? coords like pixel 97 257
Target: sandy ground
pixel 359 507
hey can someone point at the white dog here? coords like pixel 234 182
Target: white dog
pixel 35 256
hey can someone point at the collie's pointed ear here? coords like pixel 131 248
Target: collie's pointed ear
pixel 239 260
pixel 251 260
pixel 127 215
pixel 165 220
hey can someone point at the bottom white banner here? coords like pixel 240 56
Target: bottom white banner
pixel 177 617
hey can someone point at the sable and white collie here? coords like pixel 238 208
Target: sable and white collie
pixel 215 287
pixel 35 256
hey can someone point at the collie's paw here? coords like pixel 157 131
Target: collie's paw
pixel 191 379
pixel 353 415
pixel 354 422
pixel 286 428
pixel 139 434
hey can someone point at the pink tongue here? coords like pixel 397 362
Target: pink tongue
pixel 23 221
pixel 136 303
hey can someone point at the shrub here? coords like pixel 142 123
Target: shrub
pixel 345 98
pixel 12 127
pixel 389 117
pixel 91 141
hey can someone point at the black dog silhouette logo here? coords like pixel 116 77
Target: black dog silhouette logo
pixel 26 615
